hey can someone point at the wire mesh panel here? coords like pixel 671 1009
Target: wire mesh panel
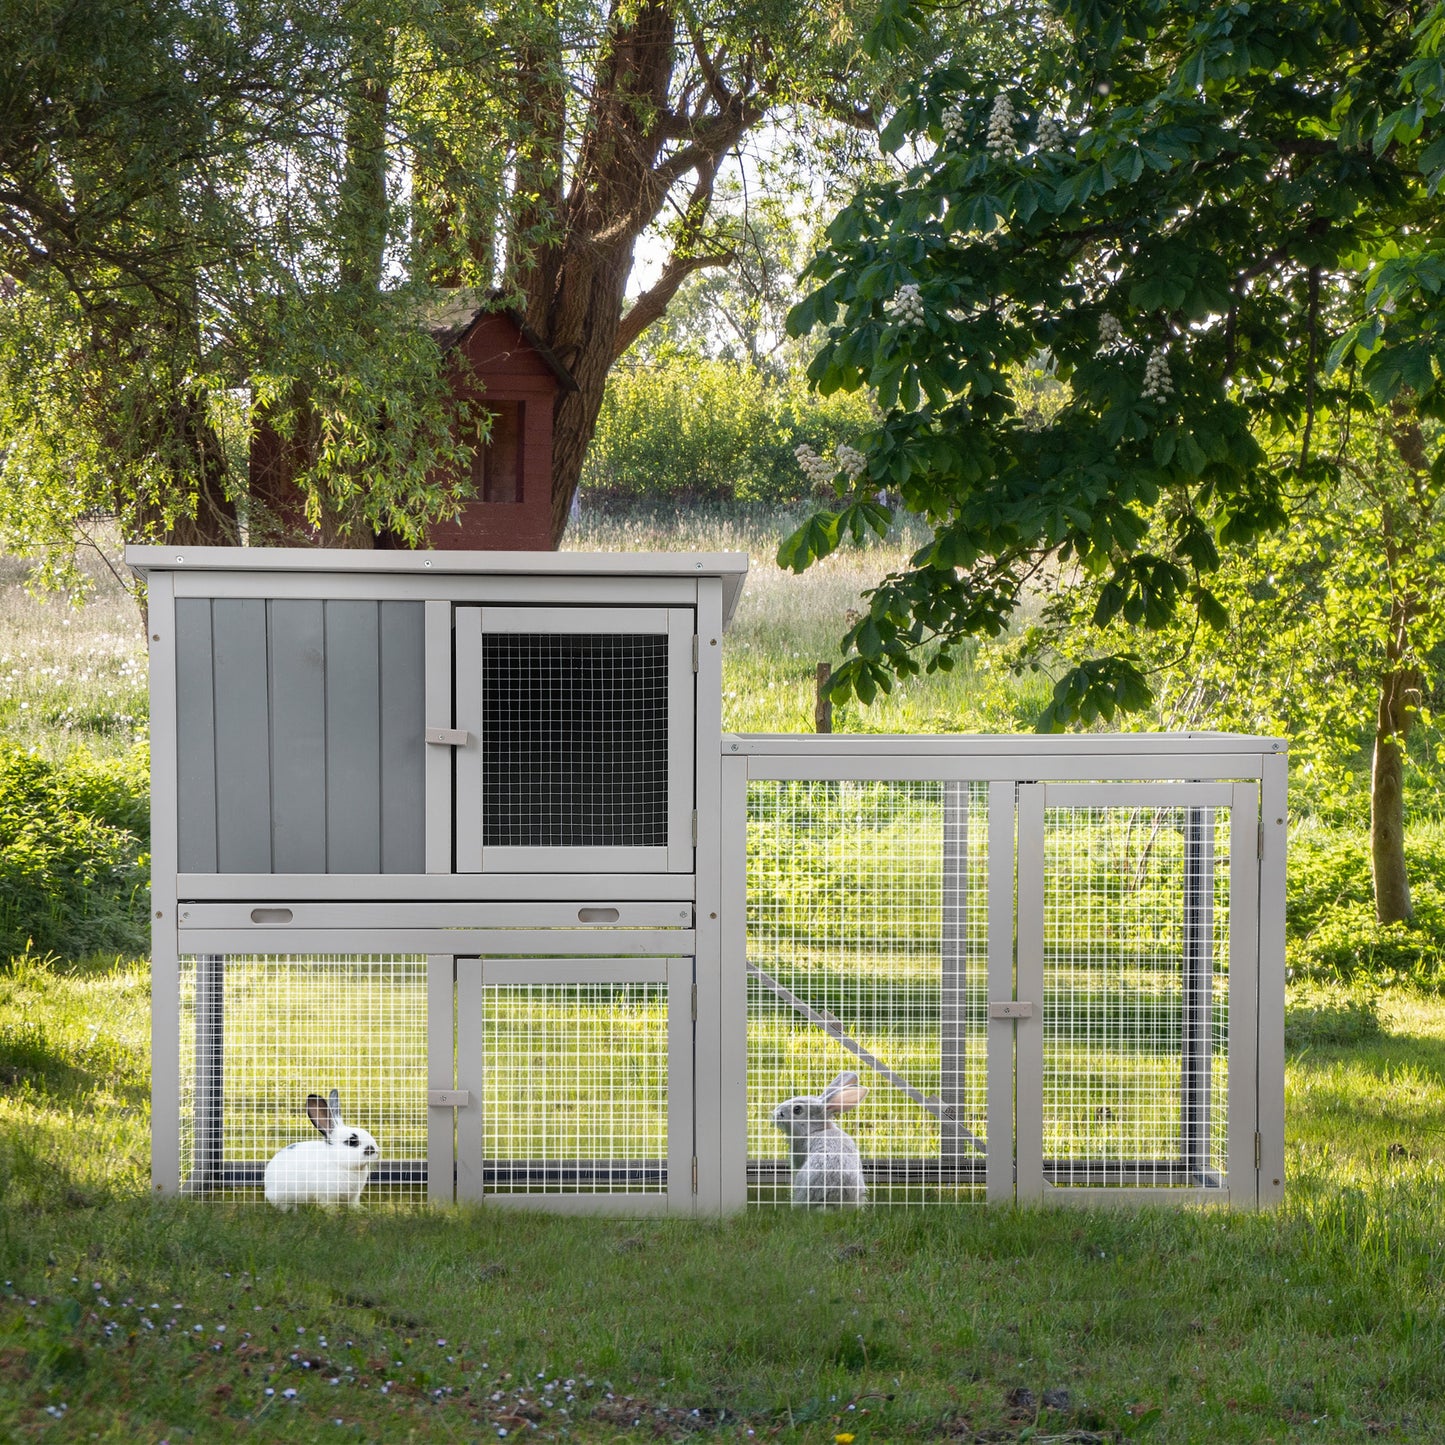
pixel 260 1033
pixel 583 1069
pixel 574 740
pixel 867 952
pixel 1135 996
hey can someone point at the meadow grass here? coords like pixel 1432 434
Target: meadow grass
pixel 125 1318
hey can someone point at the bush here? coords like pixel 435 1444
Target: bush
pixel 687 428
pixel 1332 933
pixel 74 853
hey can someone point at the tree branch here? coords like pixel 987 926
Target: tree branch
pixel 653 302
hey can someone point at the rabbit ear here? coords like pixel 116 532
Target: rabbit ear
pixel 845 1092
pixel 322 1114
pixel 335 1102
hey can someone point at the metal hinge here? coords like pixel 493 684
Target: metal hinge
pixel 694 1173
pixel 694 654
pixel 694 1003
pixel 694 827
pixel 1258 1150
pixel 1259 841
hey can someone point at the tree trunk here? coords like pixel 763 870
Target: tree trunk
pixel 1387 798
pixel 1399 696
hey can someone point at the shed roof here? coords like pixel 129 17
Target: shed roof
pixel 450 322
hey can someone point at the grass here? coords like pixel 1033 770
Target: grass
pixel 127 1318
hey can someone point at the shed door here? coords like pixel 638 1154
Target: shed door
pixel 1137 991
pixel 580 740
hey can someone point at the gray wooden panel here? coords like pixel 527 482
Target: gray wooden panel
pixel 298 736
pixel 243 765
pixel 195 738
pixel 353 738
pixel 403 727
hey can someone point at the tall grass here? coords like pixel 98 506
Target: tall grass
pixel 786 624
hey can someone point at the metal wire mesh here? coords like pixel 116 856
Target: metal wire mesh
pixel 1135 1013
pixel 574 743
pixel 261 1032
pixel 576 1094
pixel 867 951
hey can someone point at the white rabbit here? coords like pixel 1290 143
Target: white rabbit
pixel 328 1171
pixel 826 1166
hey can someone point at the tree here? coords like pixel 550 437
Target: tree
pixel 171 177
pixel 1173 207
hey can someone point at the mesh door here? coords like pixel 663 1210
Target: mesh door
pixel 867 951
pixel 1135 1009
pixel 574 740
pixel 259 1033
pixel 576 1091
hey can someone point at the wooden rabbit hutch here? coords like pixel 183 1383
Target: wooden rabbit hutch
pixel 459 834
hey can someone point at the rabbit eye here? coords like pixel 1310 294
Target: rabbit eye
pixel 353 1141
pixel 797 1108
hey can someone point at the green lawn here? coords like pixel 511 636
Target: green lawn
pixel 126 1318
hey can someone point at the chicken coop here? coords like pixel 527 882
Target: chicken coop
pixel 460 836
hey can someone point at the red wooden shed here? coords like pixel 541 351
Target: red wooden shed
pixel 497 361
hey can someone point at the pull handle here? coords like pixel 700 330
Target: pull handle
pixel 448 737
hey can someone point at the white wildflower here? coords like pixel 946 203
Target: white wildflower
pixel 852 462
pixel 1111 334
pixel 1001 120
pixel 1050 135
pixel 1158 384
pixel 906 307
pixel 953 125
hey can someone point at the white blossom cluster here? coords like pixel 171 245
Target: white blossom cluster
pixel 1001 118
pixel 1032 419
pixel 1111 334
pixel 953 125
pixel 852 462
pixel 1158 384
pixel 1050 135
pixel 818 470
pixel 907 306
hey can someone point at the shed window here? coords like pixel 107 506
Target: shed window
pixel 497 465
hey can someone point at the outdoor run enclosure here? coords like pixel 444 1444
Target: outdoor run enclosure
pixel 459 835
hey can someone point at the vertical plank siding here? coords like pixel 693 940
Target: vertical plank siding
pixel 299 736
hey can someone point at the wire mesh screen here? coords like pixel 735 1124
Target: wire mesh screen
pixel 576 1088
pixel 867 952
pixel 261 1033
pixel 1135 1011
pixel 574 744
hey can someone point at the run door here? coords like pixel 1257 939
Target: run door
pixel 574 1083
pixel 1137 983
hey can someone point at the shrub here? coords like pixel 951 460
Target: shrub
pixel 1321 1014
pixel 685 428
pixel 74 853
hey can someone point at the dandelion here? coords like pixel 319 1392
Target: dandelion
pixel 1158 384
pixel 906 307
pixel 953 125
pixel 1001 118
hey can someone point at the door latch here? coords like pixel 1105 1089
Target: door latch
pixel 1011 1009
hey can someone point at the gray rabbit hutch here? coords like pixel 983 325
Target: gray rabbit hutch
pixel 461 836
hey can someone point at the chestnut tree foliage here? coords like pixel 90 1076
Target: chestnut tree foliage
pixel 1213 224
